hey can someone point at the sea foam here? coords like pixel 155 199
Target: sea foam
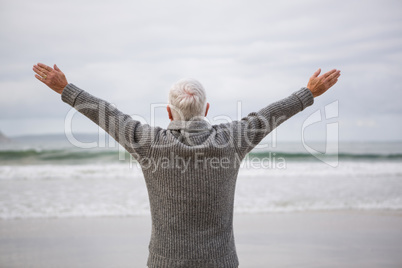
pixel 118 189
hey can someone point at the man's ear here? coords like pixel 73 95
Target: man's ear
pixel 206 110
pixel 169 113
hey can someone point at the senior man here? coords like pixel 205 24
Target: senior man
pixel 191 167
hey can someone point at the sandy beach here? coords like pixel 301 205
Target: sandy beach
pixel 306 239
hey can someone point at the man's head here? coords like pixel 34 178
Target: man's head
pixel 187 100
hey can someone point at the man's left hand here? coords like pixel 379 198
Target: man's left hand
pixel 53 78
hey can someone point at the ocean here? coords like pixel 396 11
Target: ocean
pixel 47 177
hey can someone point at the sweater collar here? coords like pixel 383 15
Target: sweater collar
pixel 190 126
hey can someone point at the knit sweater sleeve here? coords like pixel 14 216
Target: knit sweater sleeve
pixel 250 130
pixel 131 134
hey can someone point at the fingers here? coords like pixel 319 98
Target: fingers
pixel 332 79
pixel 333 76
pixel 329 73
pixel 40 78
pixel 44 66
pixel 43 71
pixel 333 82
pixel 40 71
pixel 317 72
pixel 56 68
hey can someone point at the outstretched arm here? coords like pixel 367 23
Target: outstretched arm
pixel 249 131
pixel 131 134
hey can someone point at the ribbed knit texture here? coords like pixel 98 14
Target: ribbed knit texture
pixel 190 170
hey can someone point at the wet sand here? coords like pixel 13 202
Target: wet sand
pixel 305 239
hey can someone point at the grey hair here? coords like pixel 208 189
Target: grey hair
pixel 187 99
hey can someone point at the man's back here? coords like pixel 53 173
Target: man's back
pixel 191 187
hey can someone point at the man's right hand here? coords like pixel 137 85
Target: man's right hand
pixel 319 84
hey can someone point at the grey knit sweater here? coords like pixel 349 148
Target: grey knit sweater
pixel 190 170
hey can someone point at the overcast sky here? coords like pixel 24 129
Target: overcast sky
pixel 248 52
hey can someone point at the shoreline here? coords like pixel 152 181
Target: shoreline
pixel 348 238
